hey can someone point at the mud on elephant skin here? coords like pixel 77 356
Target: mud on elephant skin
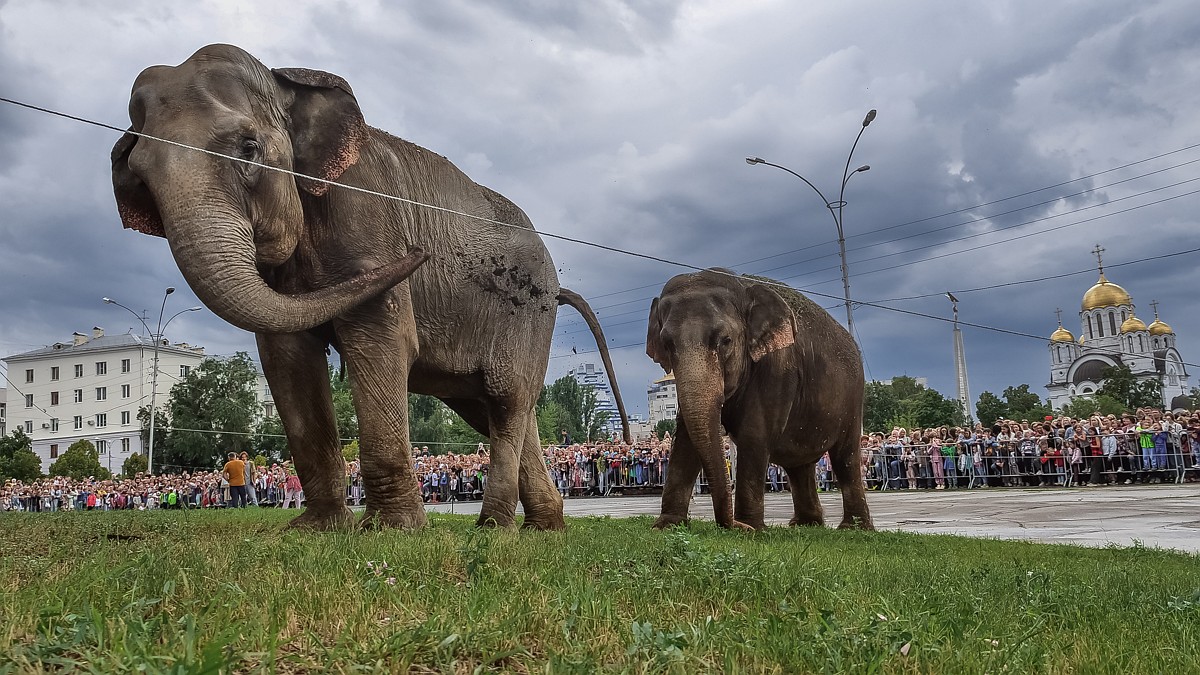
pixel 414 299
pixel 781 376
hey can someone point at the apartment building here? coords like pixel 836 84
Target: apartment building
pixel 91 388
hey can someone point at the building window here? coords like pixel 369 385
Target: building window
pixel 102 447
pixel 79 396
pixel 124 391
pixel 101 393
pixel 125 367
pixel 28 400
pixel 78 420
pixel 29 426
pixel 29 376
pixel 101 419
pixel 184 370
pixel 54 424
pixel 1099 325
pixel 53 372
pixel 1112 322
pixel 102 367
pixel 125 446
pixel 1141 344
pixel 78 370
pixel 53 450
pixel 54 398
pixel 124 417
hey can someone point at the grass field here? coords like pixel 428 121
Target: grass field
pixel 233 592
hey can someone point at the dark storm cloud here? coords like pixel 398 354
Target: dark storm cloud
pixel 627 123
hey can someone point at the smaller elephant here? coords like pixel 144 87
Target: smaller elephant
pixel 783 378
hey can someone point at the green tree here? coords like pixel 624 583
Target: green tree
pixel 880 406
pixel 133 465
pixel 269 439
pixel 1023 405
pixel 17 458
pixel 343 406
pixel 212 411
pixel 350 451
pixel 428 421
pixel 80 461
pixel 990 408
pixel 1121 384
pixel 583 420
pixel 551 419
pixel 904 402
pixel 1100 404
pixel 664 427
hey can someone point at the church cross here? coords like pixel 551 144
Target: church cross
pixel 1099 259
pixel 1058 313
pixel 1154 304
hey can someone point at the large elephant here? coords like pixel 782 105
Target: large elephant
pixel 782 377
pixel 304 265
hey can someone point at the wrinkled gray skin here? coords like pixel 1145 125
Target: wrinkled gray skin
pixel 782 377
pixel 304 265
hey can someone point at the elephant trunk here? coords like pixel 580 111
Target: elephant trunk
pixel 701 395
pixel 213 244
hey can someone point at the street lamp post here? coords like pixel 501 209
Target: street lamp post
pixel 157 336
pixel 835 209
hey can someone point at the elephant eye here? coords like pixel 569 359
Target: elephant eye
pixel 249 149
pixel 726 341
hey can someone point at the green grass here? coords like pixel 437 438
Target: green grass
pixel 233 592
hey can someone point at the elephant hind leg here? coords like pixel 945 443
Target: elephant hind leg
pixel 508 431
pixel 806 504
pixel 543 504
pixel 846 460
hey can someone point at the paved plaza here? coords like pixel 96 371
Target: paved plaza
pixel 1165 516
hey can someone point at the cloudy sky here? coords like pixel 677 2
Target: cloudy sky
pixel 1011 138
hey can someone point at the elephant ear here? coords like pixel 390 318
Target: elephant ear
pixel 770 324
pixel 327 126
pixel 654 346
pixel 135 204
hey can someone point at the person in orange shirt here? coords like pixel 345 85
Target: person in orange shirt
pixel 235 472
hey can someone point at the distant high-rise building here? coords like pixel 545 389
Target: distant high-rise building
pixel 662 399
pixel 589 375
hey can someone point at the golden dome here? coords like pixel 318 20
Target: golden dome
pixel 1159 327
pixel 1132 324
pixel 1062 335
pixel 1105 294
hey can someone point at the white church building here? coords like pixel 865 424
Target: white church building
pixel 1111 334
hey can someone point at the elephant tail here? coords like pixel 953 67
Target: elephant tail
pixel 567 297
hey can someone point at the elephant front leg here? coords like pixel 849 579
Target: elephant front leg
pixel 682 470
pixel 751 479
pixel 806 504
pixel 296 370
pixel 379 342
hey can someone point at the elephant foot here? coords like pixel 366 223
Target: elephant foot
pixel 379 519
pixel 497 521
pixel 669 520
pixel 323 520
pixel 856 522
pixel 545 521
pixel 739 525
pixel 807 521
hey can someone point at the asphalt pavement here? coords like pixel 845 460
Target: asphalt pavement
pixel 1155 516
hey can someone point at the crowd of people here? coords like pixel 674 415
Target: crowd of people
pixel 1148 447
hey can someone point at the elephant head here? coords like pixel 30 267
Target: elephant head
pixel 709 328
pixel 226 220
